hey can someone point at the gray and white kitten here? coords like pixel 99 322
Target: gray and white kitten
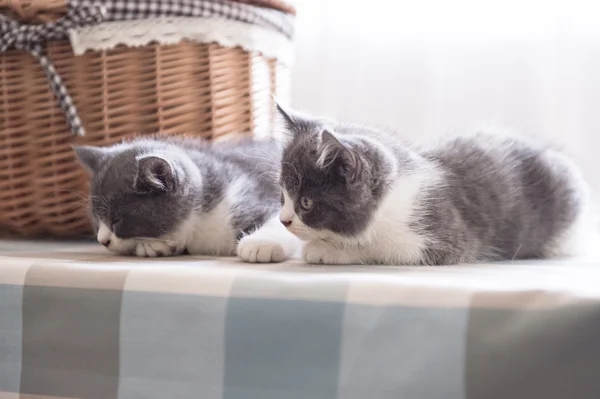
pixel 163 196
pixel 361 195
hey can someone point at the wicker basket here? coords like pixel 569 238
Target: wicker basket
pixel 188 88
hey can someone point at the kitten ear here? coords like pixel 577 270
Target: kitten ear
pixel 287 115
pixel 91 157
pixel 292 123
pixel 154 174
pixel 333 152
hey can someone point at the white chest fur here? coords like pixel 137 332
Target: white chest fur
pixel 390 238
pixel 209 233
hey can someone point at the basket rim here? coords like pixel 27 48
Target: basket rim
pixel 43 11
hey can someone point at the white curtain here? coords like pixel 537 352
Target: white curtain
pixel 428 67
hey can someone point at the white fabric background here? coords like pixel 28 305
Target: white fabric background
pixel 428 67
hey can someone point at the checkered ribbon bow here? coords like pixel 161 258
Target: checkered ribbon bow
pixel 32 37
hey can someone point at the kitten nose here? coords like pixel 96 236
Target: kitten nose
pixel 286 223
pixel 104 234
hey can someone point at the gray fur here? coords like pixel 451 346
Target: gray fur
pixel 147 196
pixel 497 197
pixel 504 201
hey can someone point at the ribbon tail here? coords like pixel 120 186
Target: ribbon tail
pixel 61 93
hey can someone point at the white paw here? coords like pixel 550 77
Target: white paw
pixel 316 252
pixel 155 248
pixel 260 250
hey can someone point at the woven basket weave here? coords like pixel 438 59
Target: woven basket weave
pixel 189 88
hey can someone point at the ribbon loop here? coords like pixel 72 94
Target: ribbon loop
pixel 32 38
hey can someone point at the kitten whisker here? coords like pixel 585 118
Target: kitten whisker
pixel 269 177
pixel 516 253
pixel 87 198
pixel 77 206
pixel 270 156
pixel 256 157
pixel 298 174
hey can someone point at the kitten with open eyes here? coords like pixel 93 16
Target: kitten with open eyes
pixel 361 195
pixel 163 196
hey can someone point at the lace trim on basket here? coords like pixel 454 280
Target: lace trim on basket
pixel 227 33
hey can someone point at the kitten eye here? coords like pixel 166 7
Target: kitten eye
pixel 116 222
pixel 306 203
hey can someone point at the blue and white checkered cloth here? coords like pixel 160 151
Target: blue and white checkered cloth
pixel 78 322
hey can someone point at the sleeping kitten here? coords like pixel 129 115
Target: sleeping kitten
pixel 360 195
pixel 163 196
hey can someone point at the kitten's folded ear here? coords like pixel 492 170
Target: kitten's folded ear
pixel 91 157
pixel 154 174
pixel 333 153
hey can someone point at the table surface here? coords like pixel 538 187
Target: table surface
pixel 80 322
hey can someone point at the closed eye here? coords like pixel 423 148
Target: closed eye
pixel 116 222
pixel 99 210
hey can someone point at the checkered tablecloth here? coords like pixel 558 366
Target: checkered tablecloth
pixel 78 323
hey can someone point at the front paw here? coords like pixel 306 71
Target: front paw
pixel 260 250
pixel 319 253
pixel 156 248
